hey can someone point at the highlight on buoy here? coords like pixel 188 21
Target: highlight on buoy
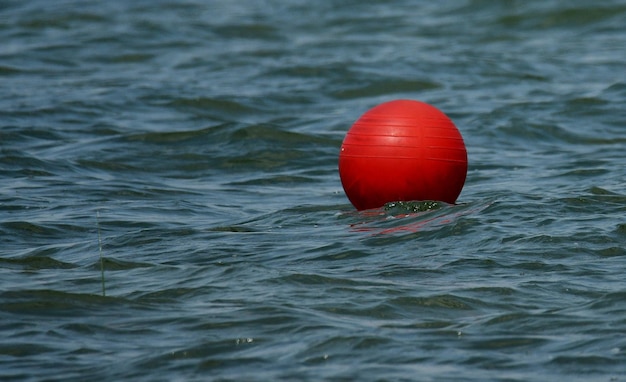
pixel 402 150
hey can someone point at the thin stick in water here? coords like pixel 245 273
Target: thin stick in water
pixel 100 247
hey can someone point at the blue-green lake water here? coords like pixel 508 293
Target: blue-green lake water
pixel 185 154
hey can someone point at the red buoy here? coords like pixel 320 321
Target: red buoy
pixel 402 150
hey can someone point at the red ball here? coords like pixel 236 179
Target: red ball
pixel 402 150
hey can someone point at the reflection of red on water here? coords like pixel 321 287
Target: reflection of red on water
pixel 411 227
pixel 414 226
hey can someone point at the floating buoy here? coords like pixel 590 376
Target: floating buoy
pixel 402 150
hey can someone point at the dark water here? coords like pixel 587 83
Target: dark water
pixel 200 138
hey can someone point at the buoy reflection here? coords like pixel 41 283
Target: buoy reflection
pixel 411 217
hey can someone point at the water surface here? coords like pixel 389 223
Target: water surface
pixel 200 140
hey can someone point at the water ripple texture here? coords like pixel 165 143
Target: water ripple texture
pixel 183 154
